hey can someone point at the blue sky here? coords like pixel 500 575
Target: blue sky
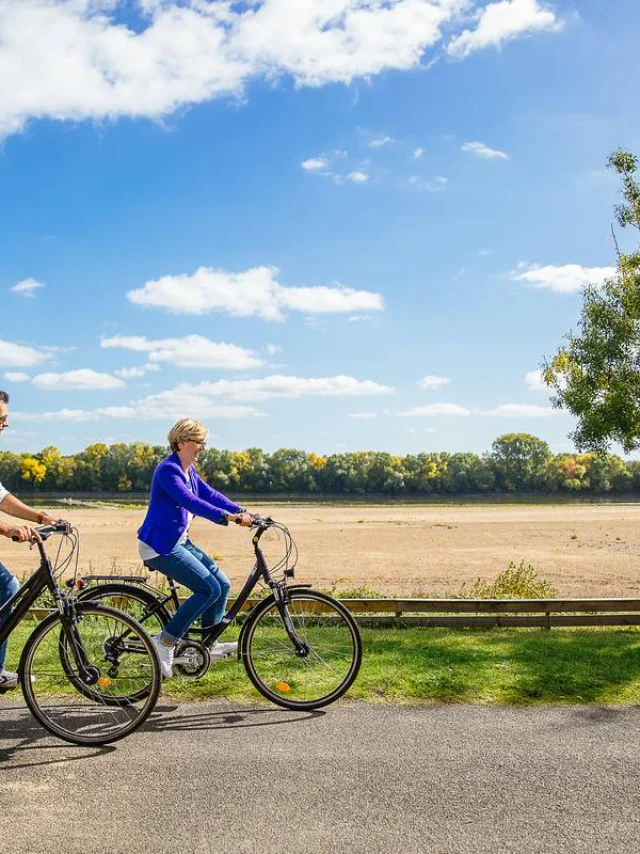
pixel 336 225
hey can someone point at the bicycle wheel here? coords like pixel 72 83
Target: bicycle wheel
pixel 302 681
pixel 143 605
pixel 120 684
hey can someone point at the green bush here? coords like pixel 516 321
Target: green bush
pixel 515 582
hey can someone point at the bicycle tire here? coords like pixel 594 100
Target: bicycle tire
pixel 54 699
pixel 288 679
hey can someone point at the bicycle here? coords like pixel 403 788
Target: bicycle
pixel 301 648
pixel 81 679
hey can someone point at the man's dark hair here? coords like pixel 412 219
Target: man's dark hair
pixel 4 396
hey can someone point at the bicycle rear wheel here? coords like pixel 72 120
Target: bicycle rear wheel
pixel 143 605
pixel 108 697
pixel 324 672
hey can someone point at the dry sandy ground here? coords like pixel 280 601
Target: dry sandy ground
pixel 585 550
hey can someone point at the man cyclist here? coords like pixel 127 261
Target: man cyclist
pixel 12 506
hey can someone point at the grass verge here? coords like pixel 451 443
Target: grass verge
pixel 492 667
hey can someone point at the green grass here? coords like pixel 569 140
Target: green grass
pixel 496 666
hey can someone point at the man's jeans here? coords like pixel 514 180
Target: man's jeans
pixel 190 566
pixel 9 586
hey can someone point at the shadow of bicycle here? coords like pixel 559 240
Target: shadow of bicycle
pixel 176 718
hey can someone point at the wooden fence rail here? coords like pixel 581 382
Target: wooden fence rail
pixel 487 613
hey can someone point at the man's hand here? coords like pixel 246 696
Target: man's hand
pixel 45 519
pixel 23 534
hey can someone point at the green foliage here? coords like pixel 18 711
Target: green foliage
pixel 518 463
pixel 596 374
pixel 515 582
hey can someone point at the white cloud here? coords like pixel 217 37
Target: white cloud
pixel 520 410
pixel 358 177
pixel 315 164
pixel 433 185
pixel 60 415
pixel 569 278
pixel 254 292
pixel 432 381
pixel 533 380
pixel 436 409
pixel 380 141
pixel 78 60
pixel 16 377
pixel 278 386
pixel 361 415
pixel 83 379
pixel 417 153
pixel 272 349
pixel 484 152
pixel 502 21
pixel 160 407
pixel 19 356
pixel 128 373
pixel 27 287
pixel 192 351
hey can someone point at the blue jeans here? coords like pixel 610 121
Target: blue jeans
pixel 190 566
pixel 9 586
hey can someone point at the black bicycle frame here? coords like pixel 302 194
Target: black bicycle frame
pixel 21 601
pixel 19 604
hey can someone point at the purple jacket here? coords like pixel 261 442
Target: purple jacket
pixel 171 501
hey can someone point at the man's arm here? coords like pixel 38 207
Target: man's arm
pixel 12 506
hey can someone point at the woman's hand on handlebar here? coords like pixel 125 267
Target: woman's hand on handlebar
pixel 245 519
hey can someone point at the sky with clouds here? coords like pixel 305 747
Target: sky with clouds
pixel 331 225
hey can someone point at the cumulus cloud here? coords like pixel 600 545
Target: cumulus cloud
pixel 252 293
pixel 27 287
pixel 433 185
pixel 358 177
pixel 79 59
pixel 16 377
pixel 417 153
pixel 278 386
pixel 436 409
pixel 20 356
pixel 484 151
pixel 520 410
pixel 500 22
pixel 83 379
pixel 192 351
pixel 315 164
pixel 533 380
pixel 380 141
pixel 128 373
pixel 567 279
pixel 432 381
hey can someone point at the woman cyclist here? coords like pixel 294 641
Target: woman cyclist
pixel 178 493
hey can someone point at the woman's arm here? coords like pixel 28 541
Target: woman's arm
pixel 212 496
pixel 177 489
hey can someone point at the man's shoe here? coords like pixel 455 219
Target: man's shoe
pixel 8 680
pixel 165 654
pixel 222 650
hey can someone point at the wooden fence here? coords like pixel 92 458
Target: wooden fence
pixel 486 613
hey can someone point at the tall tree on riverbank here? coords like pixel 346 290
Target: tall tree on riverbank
pixel 596 375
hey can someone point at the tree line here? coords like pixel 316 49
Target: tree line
pixel 517 463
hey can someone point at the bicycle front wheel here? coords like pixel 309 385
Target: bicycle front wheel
pixel 319 675
pixel 82 683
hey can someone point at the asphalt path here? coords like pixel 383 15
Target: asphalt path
pixel 217 777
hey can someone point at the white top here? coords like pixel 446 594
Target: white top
pixel 145 551
pixel 3 492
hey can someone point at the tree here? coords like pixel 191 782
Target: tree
pixel 520 461
pixel 596 375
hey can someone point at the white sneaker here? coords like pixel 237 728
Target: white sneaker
pixel 165 654
pixel 8 680
pixel 222 650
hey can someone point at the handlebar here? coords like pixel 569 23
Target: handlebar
pixel 46 531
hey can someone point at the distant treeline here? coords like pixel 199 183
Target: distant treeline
pixel 517 462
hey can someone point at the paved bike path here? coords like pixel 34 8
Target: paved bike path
pixel 218 777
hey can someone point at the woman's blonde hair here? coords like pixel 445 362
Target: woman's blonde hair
pixel 187 430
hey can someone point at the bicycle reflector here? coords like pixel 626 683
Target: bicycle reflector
pixel 104 681
pixel 283 687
